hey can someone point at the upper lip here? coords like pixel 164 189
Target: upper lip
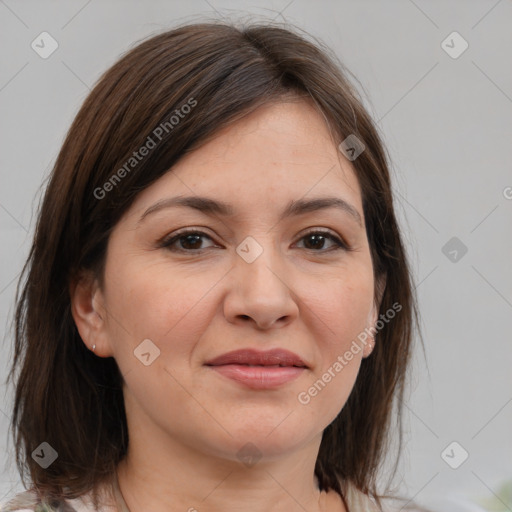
pixel 255 357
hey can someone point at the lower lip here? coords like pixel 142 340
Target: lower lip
pixel 259 377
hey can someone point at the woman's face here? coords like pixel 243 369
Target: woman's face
pixel 255 278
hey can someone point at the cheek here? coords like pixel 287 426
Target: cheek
pixel 340 316
pixel 351 317
pixel 151 302
pixel 341 309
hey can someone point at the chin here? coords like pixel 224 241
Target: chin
pixel 272 440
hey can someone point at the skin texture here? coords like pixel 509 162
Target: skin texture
pixel 186 422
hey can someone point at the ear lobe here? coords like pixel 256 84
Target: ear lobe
pixel 88 313
pixel 373 316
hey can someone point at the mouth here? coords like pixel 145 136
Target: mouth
pixel 258 377
pixel 259 370
pixel 265 365
pixel 252 358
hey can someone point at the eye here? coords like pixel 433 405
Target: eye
pixel 317 241
pixel 190 241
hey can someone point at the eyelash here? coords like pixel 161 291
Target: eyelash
pixel 168 242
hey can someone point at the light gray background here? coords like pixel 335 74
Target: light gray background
pixel 447 123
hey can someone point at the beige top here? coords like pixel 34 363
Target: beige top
pixel 28 502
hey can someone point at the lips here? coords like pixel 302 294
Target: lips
pixel 250 357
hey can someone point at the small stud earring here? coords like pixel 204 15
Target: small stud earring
pixel 370 347
pixel 93 347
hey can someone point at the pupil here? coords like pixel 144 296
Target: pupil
pixel 319 239
pixel 187 238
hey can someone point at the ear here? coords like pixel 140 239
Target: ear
pixel 89 313
pixel 380 286
pixel 373 316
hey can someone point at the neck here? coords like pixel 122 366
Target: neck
pixel 199 483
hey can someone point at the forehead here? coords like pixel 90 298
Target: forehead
pixel 278 153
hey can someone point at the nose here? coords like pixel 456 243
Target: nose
pixel 260 293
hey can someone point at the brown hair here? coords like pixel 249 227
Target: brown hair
pixel 73 400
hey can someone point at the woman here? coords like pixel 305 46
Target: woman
pixel 218 307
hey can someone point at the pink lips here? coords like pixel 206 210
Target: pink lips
pixel 259 370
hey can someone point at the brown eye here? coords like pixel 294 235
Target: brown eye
pixel 317 239
pixel 189 241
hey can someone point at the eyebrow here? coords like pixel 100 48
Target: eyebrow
pixel 212 207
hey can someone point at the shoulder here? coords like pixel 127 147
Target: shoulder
pixel 353 501
pixel 29 501
pixel 357 501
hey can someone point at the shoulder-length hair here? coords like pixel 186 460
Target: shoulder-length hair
pixel 71 399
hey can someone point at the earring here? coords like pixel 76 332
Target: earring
pixel 370 346
pixel 93 347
